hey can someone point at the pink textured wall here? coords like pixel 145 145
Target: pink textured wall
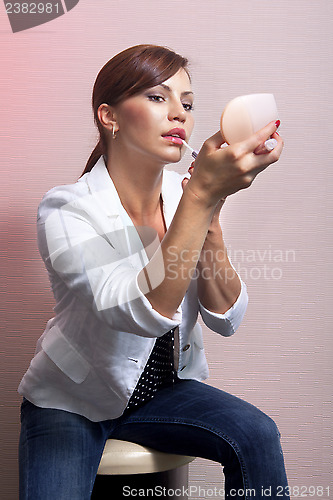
pixel 278 231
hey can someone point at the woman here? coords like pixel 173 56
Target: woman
pixel 134 252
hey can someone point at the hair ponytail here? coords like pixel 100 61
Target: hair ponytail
pixel 94 157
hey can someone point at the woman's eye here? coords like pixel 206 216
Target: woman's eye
pixel 156 98
pixel 188 106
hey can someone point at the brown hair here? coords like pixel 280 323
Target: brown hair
pixel 128 73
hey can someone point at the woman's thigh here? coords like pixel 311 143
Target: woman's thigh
pixel 59 453
pixel 199 406
pixel 192 418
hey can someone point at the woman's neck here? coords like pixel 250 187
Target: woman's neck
pixel 138 184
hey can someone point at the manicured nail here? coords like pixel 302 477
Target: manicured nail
pixel 277 123
pixel 270 144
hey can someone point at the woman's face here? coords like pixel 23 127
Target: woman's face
pixel 153 122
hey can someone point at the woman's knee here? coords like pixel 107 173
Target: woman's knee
pixel 268 428
pixel 261 432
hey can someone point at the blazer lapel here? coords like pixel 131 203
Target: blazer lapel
pixel 120 227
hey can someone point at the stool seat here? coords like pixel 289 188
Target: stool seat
pixel 123 457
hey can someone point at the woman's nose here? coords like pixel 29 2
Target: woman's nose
pixel 177 112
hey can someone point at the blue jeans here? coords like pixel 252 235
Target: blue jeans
pixel 60 451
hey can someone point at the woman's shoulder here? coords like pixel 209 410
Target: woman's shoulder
pixel 59 196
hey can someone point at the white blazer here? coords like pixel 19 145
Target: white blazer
pixel 93 351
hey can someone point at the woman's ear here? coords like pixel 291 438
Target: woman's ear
pixel 107 117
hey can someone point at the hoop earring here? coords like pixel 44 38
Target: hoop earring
pixel 113 133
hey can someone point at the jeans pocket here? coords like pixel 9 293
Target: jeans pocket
pixel 24 404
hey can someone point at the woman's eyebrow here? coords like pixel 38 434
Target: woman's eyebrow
pixel 166 87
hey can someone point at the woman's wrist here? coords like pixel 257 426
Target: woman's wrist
pixel 202 195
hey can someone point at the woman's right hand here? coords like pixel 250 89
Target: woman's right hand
pixel 219 172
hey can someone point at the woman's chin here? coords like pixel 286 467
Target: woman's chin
pixel 174 155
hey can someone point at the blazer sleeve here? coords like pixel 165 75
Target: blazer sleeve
pixel 93 265
pixel 226 324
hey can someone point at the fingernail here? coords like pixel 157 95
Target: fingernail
pixel 270 144
pixel 277 123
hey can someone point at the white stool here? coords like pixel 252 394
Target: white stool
pixel 126 468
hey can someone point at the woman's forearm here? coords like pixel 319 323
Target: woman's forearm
pixel 180 248
pixel 218 283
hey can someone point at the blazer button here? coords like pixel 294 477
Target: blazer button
pixel 186 347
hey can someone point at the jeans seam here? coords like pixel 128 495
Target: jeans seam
pixel 27 469
pixel 194 423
